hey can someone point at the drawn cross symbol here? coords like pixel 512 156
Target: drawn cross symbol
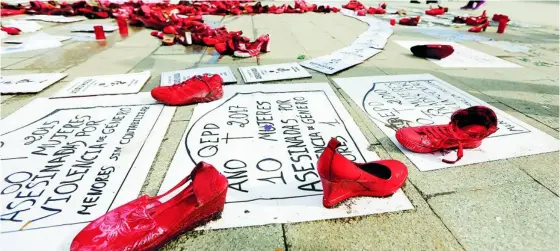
pixel 268 127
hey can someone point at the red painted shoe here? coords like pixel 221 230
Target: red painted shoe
pixel 169 33
pixel 480 28
pixel 353 5
pixel 436 11
pixel 149 222
pixel 437 51
pixel 198 89
pixel 410 21
pixel 478 20
pixel 499 17
pixel 361 12
pixel 11 30
pixel 261 44
pixel 467 129
pixel 343 179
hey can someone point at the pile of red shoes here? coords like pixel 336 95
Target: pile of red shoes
pixel 480 23
pixel 361 10
pixel 149 222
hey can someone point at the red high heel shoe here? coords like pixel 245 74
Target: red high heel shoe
pixel 169 33
pixel 467 129
pixel 197 89
pixel 436 11
pixel 343 179
pixel 261 44
pixel 410 21
pixel 480 28
pixel 149 222
pixel 474 21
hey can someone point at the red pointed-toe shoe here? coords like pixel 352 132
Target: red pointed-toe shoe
pixel 410 21
pixel 343 179
pixel 437 51
pixel 197 89
pixel 467 129
pixel 437 11
pixel 480 28
pixel 149 222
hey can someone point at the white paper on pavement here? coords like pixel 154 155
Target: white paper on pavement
pixel 509 46
pixel 25 39
pixel 373 39
pixel 104 85
pixel 23 25
pixel 462 57
pixel 28 83
pixel 176 77
pixel 450 34
pixel 34 42
pixel 266 139
pixel 361 52
pixel 55 19
pixel 332 63
pixel 273 72
pixel 394 102
pixel 46 148
pixel 3 35
pixel 89 27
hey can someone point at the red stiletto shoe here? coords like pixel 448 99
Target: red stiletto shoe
pixel 437 51
pixel 478 20
pixel 480 28
pixel 198 89
pixel 169 33
pixel 261 44
pixel 343 179
pixel 353 5
pixel 149 222
pixel 467 129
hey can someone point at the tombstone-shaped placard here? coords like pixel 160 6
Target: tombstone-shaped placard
pixel 28 83
pixel 394 102
pixel 66 162
pixel 176 77
pixel 104 85
pixel 266 139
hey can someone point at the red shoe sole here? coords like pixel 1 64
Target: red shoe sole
pixel 422 149
pixel 354 190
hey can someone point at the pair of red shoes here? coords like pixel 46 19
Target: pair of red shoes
pixel 473 20
pixel 147 223
pixel 467 129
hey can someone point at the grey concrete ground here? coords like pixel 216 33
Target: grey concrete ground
pixel 508 204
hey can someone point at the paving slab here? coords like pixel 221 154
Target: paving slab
pixel 521 216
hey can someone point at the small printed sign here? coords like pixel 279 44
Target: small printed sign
pixel 29 83
pixel 176 77
pixel 265 73
pixel 104 85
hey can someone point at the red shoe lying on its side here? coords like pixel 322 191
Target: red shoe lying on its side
pixel 410 21
pixel 436 11
pixel 436 51
pixel 343 179
pixel 198 89
pixel 467 129
pixel 149 222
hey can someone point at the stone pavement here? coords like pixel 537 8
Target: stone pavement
pixel 508 204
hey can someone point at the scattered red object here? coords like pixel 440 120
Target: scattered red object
pixel 123 26
pixel 478 20
pixel 149 222
pixel 393 21
pixel 436 11
pixel 498 17
pixel 361 12
pixel 481 27
pixel 353 5
pixel 467 129
pixel 410 21
pixel 343 179
pixel 261 44
pixel 11 30
pixel 502 25
pixel 99 32
pixel 436 51
pixel 198 89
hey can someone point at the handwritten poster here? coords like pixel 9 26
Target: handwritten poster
pixel 176 77
pixel 462 57
pixel 272 72
pixel 104 85
pixel 29 83
pixel 394 102
pixel 65 162
pixel 331 63
pixel 266 139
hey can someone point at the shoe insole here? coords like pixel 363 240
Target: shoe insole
pixel 474 129
pixel 376 170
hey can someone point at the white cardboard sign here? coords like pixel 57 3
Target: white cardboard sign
pixel 66 162
pixel 266 139
pixel 331 63
pixel 29 83
pixel 462 57
pixel 37 41
pixel 394 102
pixel 373 39
pixel 176 77
pixel 104 85
pixel 361 52
pixel 55 19
pixel 273 72
pixel 26 39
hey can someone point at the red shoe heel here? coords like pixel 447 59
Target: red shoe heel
pixel 480 28
pixel 343 179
